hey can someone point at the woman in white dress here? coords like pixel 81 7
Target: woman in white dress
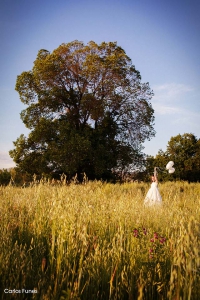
pixel 153 196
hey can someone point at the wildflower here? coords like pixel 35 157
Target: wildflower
pixel 152 240
pixel 144 231
pixel 135 233
pixel 155 235
pixel 151 253
pixel 162 240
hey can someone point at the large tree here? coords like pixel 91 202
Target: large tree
pixel 87 111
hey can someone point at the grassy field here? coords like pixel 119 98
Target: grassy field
pixel 98 241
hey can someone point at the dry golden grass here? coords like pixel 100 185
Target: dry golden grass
pixel 97 241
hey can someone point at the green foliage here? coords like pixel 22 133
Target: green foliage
pixel 184 151
pixel 87 111
pixel 5 177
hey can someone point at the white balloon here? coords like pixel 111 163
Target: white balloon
pixel 169 165
pixel 171 170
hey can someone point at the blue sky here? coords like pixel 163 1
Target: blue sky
pixel 161 37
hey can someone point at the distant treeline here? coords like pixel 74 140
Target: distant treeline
pixel 183 150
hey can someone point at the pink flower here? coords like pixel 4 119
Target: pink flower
pixel 144 231
pixel 162 240
pixel 155 235
pixel 135 232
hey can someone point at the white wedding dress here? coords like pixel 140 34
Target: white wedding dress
pixel 153 196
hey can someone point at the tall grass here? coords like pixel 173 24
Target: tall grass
pixel 98 241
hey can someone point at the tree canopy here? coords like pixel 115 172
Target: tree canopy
pixel 184 151
pixel 87 111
